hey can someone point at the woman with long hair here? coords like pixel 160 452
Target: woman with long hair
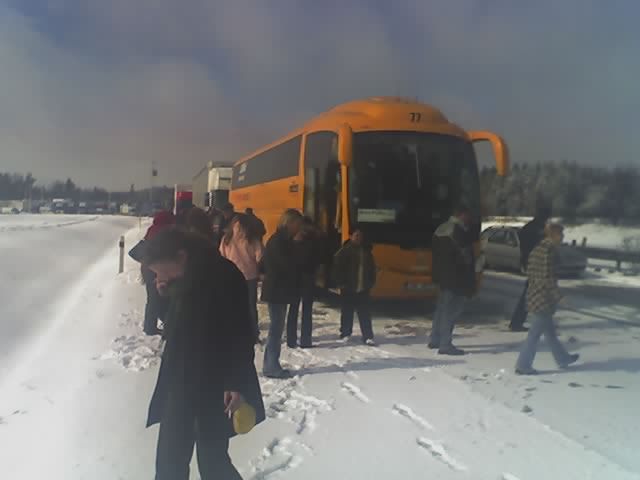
pixel 242 245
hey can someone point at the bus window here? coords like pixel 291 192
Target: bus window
pixel 403 185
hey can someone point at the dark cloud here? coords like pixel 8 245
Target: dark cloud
pixel 98 89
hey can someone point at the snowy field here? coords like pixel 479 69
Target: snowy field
pixel 74 406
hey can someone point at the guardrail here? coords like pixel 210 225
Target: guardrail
pixel 611 254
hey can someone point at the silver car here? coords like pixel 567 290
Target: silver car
pixel 501 247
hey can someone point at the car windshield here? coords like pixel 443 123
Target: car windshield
pixel 403 185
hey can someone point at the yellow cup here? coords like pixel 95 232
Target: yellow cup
pixel 244 419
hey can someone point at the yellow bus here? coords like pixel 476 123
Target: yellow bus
pixel 392 165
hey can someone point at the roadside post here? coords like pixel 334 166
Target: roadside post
pixel 121 245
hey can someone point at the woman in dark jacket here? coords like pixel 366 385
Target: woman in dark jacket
pixel 207 369
pixel 308 253
pixel 280 287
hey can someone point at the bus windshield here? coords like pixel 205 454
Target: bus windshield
pixel 403 185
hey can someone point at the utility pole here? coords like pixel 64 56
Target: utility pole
pixel 154 174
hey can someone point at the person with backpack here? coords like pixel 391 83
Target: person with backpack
pixel 355 275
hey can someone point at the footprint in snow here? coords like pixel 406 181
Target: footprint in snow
pixel 439 452
pixel 410 415
pixel 355 392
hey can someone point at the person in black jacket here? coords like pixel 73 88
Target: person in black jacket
pixel 222 222
pixel 207 370
pixel 308 253
pixel 257 224
pixel 280 287
pixel 530 237
pixel 454 273
pixel 355 275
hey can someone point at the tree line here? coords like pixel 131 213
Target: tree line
pixel 574 191
pixel 14 186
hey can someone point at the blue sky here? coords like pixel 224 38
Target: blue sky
pixel 97 89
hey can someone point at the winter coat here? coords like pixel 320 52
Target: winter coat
pixel 453 259
pixel 244 254
pixel 543 293
pixel 209 342
pixel 354 268
pixel 281 270
pixel 258 226
pixel 530 236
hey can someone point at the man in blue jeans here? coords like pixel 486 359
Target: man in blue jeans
pixel 543 298
pixel 280 287
pixel 454 273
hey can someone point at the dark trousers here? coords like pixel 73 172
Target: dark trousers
pixel 520 313
pixel 156 307
pixel 449 308
pixel 307 320
pixel 179 432
pixel 359 303
pixel 252 285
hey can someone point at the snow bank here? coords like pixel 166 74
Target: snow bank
pixel 18 223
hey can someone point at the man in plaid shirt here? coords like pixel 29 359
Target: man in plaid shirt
pixel 543 298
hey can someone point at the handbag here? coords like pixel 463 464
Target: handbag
pixel 137 252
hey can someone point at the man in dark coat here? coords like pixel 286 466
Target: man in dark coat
pixel 257 224
pixel 207 369
pixel 308 254
pixel 280 287
pixel 355 275
pixel 530 237
pixel 454 273
pixel 222 221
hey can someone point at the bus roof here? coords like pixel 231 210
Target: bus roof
pixel 372 114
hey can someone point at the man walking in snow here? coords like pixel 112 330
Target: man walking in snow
pixel 207 371
pixel 454 273
pixel 543 299
pixel 530 236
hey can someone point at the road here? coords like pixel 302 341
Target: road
pixel 42 260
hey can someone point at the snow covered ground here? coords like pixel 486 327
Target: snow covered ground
pixel 75 408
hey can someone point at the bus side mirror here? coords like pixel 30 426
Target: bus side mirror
pixel 345 145
pixel 500 149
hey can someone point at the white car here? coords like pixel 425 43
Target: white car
pixel 501 247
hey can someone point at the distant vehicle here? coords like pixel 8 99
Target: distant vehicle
pixel 502 252
pixel 15 211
